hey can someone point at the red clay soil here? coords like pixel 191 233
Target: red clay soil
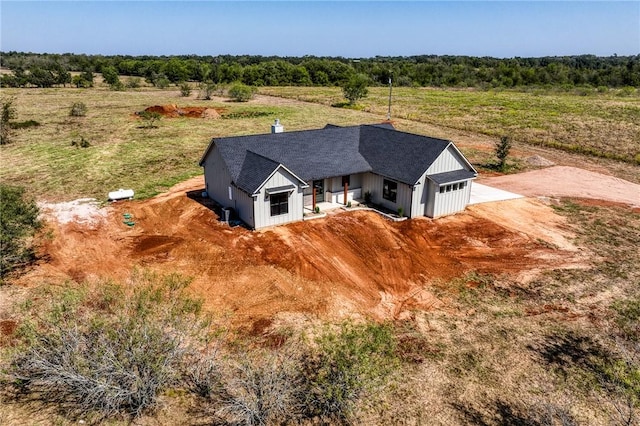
pixel 347 263
pixel 173 111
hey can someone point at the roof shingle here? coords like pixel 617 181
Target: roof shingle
pixel 328 152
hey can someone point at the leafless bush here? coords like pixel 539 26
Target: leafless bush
pixel 117 371
pixel 262 388
pixel 109 352
pixel 203 375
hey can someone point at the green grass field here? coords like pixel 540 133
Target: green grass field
pixel 122 154
pixel 601 124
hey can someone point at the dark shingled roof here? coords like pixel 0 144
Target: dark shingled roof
pixel 451 177
pixel 254 171
pixel 332 151
pixel 399 155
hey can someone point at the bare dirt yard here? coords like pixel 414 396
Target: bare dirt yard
pixel 572 182
pixel 350 263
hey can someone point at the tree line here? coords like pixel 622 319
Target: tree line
pixel 47 70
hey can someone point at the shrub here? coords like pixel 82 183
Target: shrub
pixel 185 89
pixel 134 83
pixel 107 350
pixel 345 367
pixel 7 113
pixel 206 90
pixel 367 197
pixel 262 388
pixel 240 92
pixel 400 211
pixel 162 82
pixel 18 222
pixel 502 148
pixel 110 75
pixel 82 143
pixel 356 88
pixel 78 109
pixel 149 119
pixel 117 86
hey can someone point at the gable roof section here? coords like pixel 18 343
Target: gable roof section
pixel 309 154
pixel 328 152
pixel 399 155
pixel 254 171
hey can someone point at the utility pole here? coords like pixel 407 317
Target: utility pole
pixel 389 111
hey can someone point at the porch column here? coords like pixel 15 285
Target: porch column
pixel 346 190
pixel 314 199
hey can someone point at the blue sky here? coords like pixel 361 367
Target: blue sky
pixel 323 28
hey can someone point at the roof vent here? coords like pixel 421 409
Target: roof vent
pixel 276 127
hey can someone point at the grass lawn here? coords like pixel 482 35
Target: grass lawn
pixel 122 154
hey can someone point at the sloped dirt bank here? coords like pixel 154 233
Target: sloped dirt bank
pixel 348 263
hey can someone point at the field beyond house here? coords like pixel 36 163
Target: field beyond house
pixel 519 312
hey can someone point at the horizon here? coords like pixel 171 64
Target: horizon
pixel 351 30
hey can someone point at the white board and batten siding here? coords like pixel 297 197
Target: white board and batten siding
pixel 448 161
pixel 262 204
pixel 336 188
pixel 449 202
pixel 217 179
pixel 221 189
pixel 374 184
pixel 445 203
pixel 419 197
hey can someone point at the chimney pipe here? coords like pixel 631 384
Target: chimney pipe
pixel 276 127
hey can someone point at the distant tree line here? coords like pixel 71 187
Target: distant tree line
pixel 46 70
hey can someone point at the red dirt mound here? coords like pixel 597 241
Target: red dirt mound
pixel 173 111
pixel 348 263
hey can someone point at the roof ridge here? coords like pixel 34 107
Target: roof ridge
pixel 262 156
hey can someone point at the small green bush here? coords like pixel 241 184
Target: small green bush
pixel 345 367
pixel 400 211
pixel 367 197
pixel 78 109
pixel 162 82
pixel 150 118
pixel 7 113
pixel 18 223
pixel 185 89
pixel 356 88
pixel 134 83
pixel 502 149
pixel 82 143
pixel 240 92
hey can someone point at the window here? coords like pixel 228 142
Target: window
pixel 279 204
pixel 389 190
pixel 346 180
pixel 452 187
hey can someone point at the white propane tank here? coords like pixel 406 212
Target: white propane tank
pixel 121 194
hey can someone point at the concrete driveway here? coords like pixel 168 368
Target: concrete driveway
pixel 485 194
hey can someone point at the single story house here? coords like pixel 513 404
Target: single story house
pixel 269 179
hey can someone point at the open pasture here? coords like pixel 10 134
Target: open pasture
pixel 601 124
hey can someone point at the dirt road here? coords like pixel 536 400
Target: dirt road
pixel 572 182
